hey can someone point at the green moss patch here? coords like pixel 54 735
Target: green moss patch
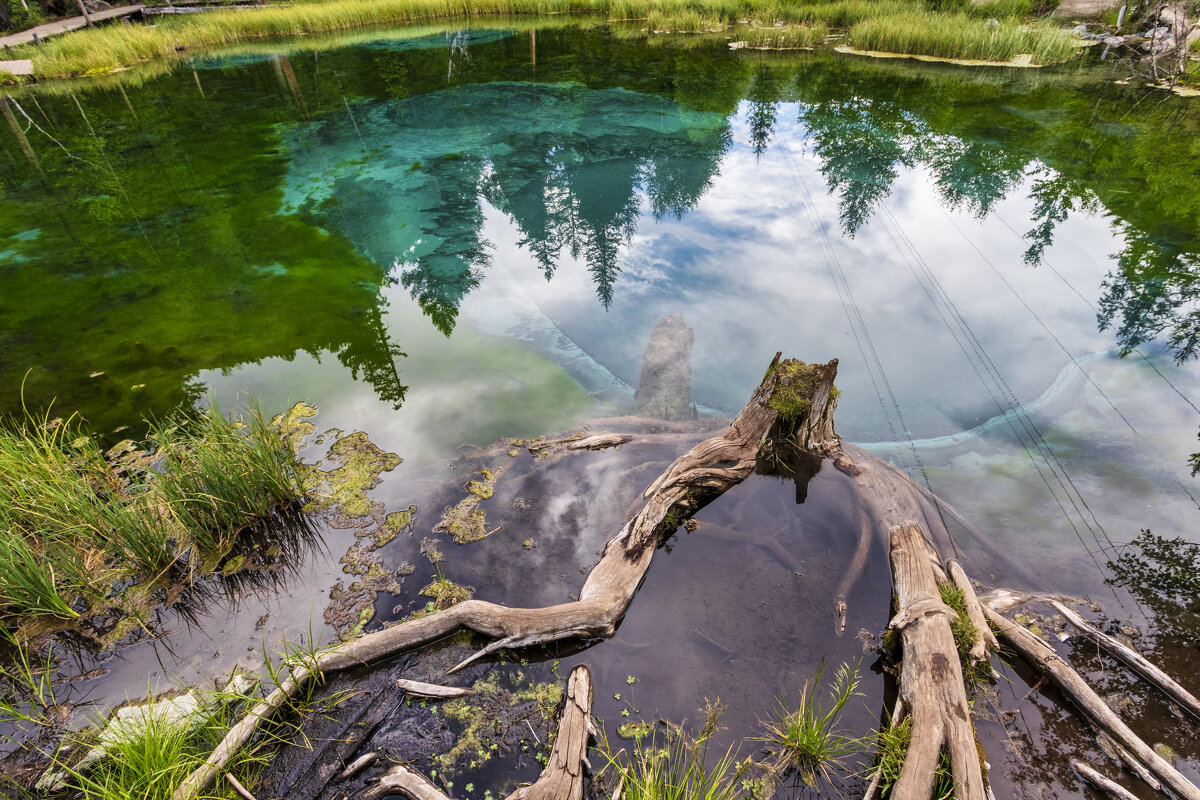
pixel 466 522
pixel 792 397
pixel 292 424
pixel 446 594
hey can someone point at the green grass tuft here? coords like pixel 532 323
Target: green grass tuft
pixel 808 739
pixel 74 519
pixel 678 770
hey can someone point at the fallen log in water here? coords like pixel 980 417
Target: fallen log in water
pixel 786 427
pixel 1085 698
pixel 692 480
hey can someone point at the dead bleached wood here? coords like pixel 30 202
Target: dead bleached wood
pixel 1132 658
pixel 704 472
pixel 401 779
pixel 985 641
pixel 1095 778
pixel 1043 657
pixel 431 689
pixel 1131 763
pixel 237 787
pixel 931 680
pixel 562 779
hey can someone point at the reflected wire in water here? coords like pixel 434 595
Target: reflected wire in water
pixel 961 330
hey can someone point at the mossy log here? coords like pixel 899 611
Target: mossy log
pixel 931 678
pixel 692 480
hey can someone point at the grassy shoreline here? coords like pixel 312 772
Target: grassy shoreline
pixel 995 31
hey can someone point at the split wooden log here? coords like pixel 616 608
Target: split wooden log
pixel 562 779
pixel 1132 764
pixel 1132 658
pixel 1043 657
pixel 695 478
pixel 931 679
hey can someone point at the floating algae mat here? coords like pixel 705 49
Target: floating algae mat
pixel 450 247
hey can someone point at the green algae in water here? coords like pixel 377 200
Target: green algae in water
pixel 293 425
pixel 484 718
pixel 344 488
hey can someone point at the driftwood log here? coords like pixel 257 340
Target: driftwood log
pixel 1101 782
pixel 1071 683
pixel 695 478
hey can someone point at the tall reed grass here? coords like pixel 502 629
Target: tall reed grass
pixel 905 26
pixel 74 519
pixel 963 36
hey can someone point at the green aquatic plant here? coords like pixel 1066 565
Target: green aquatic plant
pixel 220 475
pixel 678 770
pixel 807 739
pixel 891 746
pixel 785 37
pixel 26 681
pixel 964 631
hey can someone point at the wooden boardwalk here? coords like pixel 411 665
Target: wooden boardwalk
pixel 66 25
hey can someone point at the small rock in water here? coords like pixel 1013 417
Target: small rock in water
pixel 1165 752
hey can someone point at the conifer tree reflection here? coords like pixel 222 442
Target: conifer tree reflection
pixel 763 96
pixel 859 143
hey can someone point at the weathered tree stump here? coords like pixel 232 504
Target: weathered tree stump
pixel 786 429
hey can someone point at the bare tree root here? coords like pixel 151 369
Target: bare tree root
pixel 695 478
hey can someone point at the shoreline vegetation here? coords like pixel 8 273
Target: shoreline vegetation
pixel 996 31
pixel 87 531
